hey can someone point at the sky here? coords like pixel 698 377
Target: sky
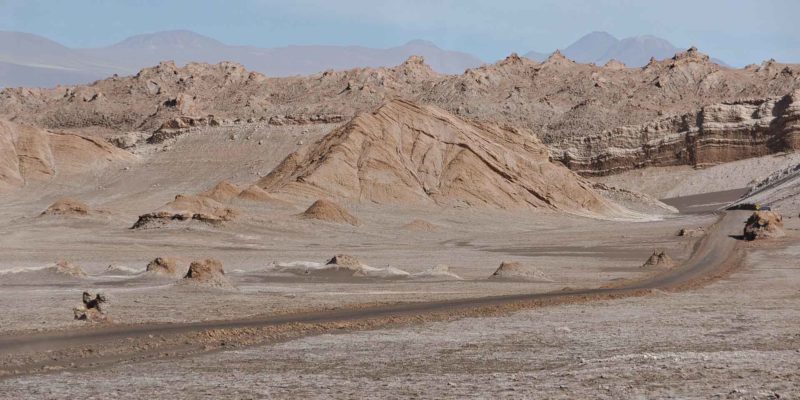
pixel 737 31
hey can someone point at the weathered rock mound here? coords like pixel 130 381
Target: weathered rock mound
pixel 187 208
pixel 659 259
pixel 165 266
pixel 328 211
pixel 223 191
pixel 408 154
pixel 420 225
pixel 67 207
pixel 512 270
pixel 67 268
pixel 764 225
pixel 345 260
pixel 715 134
pixel 256 193
pixel 208 273
pixel 60 272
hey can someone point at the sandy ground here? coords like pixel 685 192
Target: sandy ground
pixel 571 251
pixel 736 338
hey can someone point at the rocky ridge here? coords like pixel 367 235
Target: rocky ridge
pixel 560 100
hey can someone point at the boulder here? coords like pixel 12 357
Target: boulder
pixel 763 225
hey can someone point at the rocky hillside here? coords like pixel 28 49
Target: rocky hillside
pixel 408 154
pixel 560 100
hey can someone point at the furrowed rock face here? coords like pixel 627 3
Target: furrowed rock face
pixel 409 154
pixel 715 134
pixel 30 154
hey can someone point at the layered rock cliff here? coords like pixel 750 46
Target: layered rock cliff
pixel 714 134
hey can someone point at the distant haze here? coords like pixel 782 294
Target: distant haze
pixel 32 61
pixel 601 47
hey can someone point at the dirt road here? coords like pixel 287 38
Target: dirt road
pixel 95 347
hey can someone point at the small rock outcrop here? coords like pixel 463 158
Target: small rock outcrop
pixel 187 208
pixel 67 268
pixel 67 207
pixel 328 211
pixel 209 273
pixel 93 309
pixel 692 232
pixel 513 270
pixel 164 266
pixel 659 259
pixel 764 225
pixel 177 126
pixel 345 260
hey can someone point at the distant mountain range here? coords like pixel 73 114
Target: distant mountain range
pixel 33 61
pixel 601 47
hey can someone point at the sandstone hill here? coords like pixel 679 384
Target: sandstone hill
pixel 30 154
pixel 404 153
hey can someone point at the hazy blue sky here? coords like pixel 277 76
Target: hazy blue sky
pixel 737 31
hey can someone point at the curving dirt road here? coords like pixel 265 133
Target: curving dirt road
pixel 96 347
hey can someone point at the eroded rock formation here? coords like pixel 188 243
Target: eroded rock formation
pixel 715 134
